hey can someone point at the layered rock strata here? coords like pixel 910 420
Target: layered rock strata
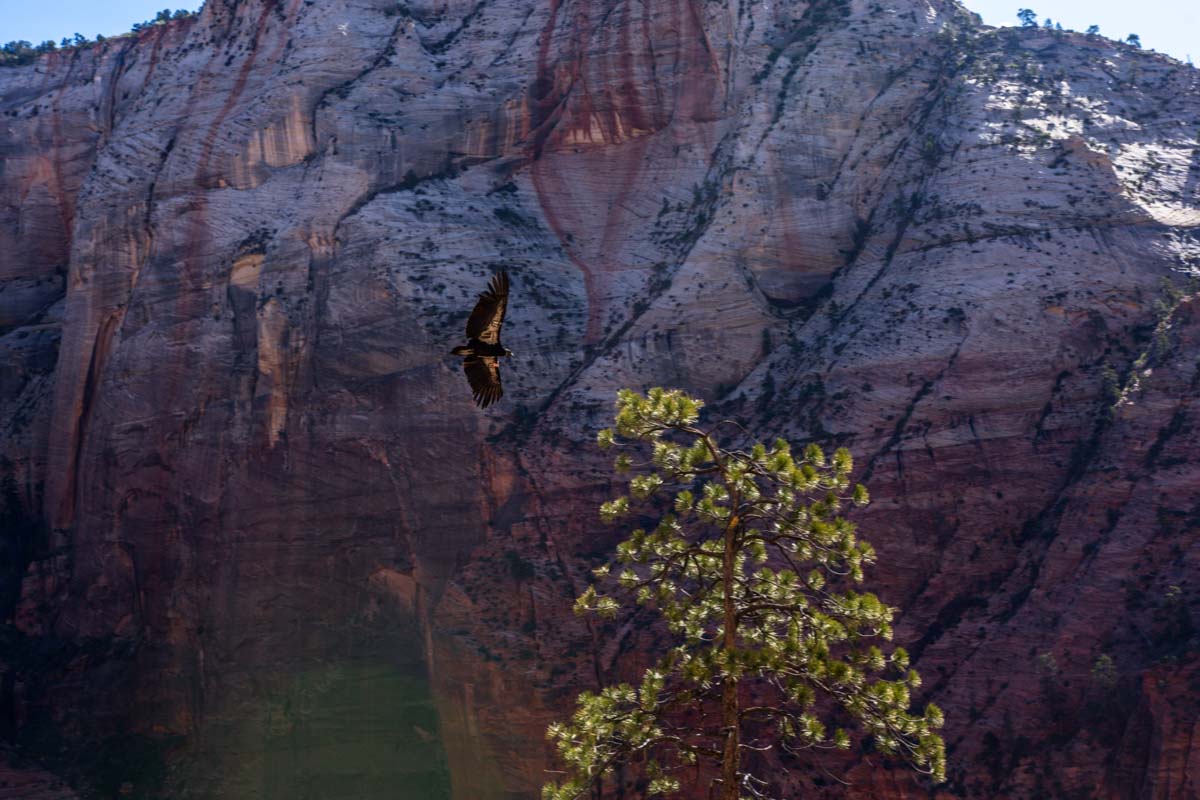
pixel 259 543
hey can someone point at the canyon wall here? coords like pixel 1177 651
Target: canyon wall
pixel 259 543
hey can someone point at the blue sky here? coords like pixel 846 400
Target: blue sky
pixel 1169 26
pixel 38 20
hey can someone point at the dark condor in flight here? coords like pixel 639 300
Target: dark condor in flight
pixel 483 350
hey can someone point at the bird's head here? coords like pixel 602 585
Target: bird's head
pixel 507 352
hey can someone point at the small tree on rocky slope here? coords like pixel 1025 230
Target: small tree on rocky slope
pixel 752 572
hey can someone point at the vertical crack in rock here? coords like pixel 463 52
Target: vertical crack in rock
pixel 99 356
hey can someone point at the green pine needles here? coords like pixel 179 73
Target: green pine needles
pixel 753 570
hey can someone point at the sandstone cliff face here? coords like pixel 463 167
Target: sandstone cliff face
pixel 259 543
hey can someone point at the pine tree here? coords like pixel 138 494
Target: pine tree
pixel 753 571
pixel 1028 17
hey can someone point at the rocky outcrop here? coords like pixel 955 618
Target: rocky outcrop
pixel 24 781
pixel 259 542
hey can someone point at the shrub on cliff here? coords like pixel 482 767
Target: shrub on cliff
pixel 162 17
pixel 15 53
pixel 753 569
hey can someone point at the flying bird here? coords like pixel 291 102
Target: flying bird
pixel 483 350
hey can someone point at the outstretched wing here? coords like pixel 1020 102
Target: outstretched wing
pixel 483 373
pixel 488 315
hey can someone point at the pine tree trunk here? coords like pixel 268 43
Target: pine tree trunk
pixel 730 716
pixel 730 762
